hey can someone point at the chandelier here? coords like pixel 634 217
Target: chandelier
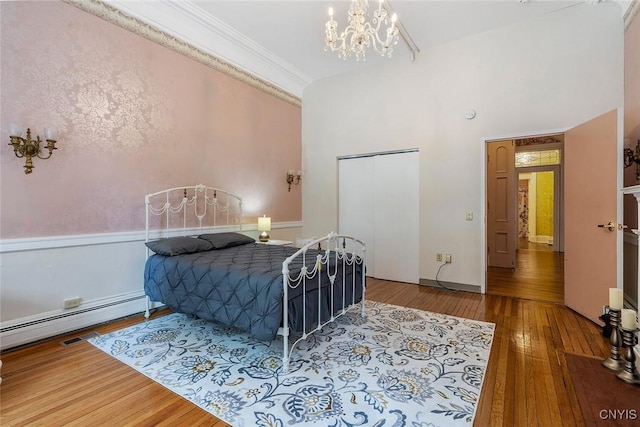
pixel 359 34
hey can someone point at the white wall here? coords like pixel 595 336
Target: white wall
pixel 547 74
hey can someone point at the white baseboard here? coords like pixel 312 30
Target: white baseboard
pixel 547 240
pixel 45 325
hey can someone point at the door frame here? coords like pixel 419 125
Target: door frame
pixel 558 187
pixel 483 192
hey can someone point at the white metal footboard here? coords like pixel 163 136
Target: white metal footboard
pixel 346 252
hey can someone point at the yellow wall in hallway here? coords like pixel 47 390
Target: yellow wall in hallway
pixel 544 203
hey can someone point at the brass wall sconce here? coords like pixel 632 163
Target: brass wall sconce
pixel 30 148
pixel 293 178
pixel 631 157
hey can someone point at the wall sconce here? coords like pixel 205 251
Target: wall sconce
pixel 30 148
pixel 631 157
pixel 264 225
pixel 293 179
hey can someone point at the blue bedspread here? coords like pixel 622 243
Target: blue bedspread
pixel 241 287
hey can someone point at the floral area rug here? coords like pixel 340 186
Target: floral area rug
pixel 396 367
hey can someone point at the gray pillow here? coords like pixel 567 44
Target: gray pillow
pixel 178 245
pixel 226 240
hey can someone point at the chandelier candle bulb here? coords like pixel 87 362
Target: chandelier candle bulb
pixel 629 319
pixel 615 298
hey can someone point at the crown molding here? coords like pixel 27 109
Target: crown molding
pixel 631 11
pixel 232 46
pixel 234 55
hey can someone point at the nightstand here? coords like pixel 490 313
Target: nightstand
pixel 276 242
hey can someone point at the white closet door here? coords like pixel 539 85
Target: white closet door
pixel 355 204
pixel 396 210
pixel 378 203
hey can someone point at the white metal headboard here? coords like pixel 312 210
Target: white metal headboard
pixel 190 210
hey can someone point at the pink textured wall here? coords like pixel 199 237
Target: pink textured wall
pixel 133 118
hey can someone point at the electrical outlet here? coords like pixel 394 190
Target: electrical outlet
pixel 72 302
pixel 438 257
pixel 447 258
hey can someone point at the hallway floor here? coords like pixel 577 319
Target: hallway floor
pixel 539 275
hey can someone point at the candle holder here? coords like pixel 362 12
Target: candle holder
pixel 629 374
pixel 614 361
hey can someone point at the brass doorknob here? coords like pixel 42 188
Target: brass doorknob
pixel 611 226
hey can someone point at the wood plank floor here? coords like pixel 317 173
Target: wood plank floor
pixel 527 382
pixel 539 275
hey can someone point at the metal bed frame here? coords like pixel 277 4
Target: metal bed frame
pixel 215 210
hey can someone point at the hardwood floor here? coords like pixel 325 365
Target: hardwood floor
pixel 539 275
pixel 527 382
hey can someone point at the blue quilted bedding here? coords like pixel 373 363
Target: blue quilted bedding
pixel 242 287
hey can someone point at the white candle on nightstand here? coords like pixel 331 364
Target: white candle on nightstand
pixel 629 319
pixel 615 298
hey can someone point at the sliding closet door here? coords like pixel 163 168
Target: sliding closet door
pixel 396 217
pixel 355 203
pixel 379 203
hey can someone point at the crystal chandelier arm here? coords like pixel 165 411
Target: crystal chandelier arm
pixel 391 39
pixel 331 33
pixel 379 16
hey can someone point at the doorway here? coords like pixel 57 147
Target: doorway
pixel 539 206
pixel 532 190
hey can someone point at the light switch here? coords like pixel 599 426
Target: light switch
pixel 470 216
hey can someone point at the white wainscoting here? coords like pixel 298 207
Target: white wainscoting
pixel 104 270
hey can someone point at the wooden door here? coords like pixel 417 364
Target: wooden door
pixel 501 204
pixel 592 197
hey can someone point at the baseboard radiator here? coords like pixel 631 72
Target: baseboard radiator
pixel 46 325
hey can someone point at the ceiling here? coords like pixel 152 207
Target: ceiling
pixel 282 42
